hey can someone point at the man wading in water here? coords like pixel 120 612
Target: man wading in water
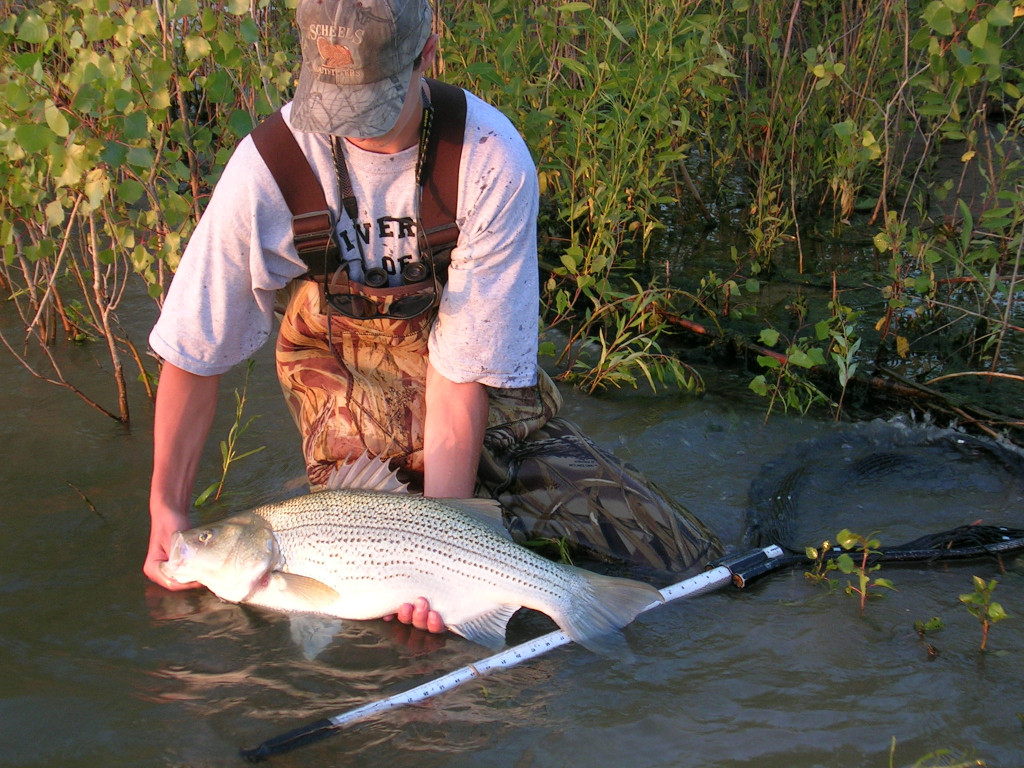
pixel 410 341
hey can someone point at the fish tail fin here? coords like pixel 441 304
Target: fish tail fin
pixel 602 607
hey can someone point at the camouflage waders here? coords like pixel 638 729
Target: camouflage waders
pixel 358 385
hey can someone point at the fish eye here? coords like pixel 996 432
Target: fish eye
pixel 204 536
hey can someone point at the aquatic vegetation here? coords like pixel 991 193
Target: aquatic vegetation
pixel 229 453
pixel 865 546
pixel 617 342
pixel 983 607
pixel 939 758
pixel 927 628
pixel 782 381
pixel 857 564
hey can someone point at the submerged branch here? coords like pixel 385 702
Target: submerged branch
pixel 60 381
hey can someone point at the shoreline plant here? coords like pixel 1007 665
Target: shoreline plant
pixel 895 123
pixel 855 560
pixel 982 607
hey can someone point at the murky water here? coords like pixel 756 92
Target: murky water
pixel 100 668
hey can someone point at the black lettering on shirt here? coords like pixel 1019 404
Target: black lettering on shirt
pixel 362 233
pixel 386 226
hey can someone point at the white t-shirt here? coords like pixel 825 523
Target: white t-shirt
pixel 220 307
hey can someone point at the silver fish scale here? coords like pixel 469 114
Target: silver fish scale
pixel 351 536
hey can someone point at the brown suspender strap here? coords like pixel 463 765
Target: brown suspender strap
pixel 441 170
pixel 312 219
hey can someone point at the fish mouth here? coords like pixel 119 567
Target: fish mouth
pixel 181 553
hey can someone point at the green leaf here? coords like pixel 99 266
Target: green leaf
pixel 56 120
pixel 34 138
pixel 202 497
pixel 799 358
pixel 136 126
pixel 130 191
pixel 238 7
pixel 27 61
pixel 769 337
pixel 17 97
pixel 978 34
pixel 96 186
pixel 573 7
pixel 937 16
pixel 614 30
pixel 240 122
pixel 248 453
pixel 140 157
pixel 562 301
pixel 196 47
pixel 98 27
pixel 991 53
pixel 996 612
pixel 967 229
pixel 33 29
pixel 250 31
pixel 114 153
pixel 54 213
pixel 575 66
pixel 1001 14
pixel 183 8
pixel 219 87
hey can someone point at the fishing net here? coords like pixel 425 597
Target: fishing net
pixel 892 481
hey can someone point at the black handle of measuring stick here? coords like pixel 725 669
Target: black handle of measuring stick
pixel 307 734
pixel 747 566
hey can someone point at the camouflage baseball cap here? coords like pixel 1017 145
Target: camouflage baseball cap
pixel 357 58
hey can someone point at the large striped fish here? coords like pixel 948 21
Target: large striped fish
pixel 360 554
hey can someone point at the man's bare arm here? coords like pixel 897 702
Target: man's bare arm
pixel 185 404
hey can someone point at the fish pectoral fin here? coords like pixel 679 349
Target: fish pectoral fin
pixel 301 592
pixel 487 628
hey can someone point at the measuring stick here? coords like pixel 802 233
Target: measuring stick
pixel 704 582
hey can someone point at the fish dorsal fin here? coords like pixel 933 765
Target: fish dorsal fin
pixel 485 511
pixel 488 628
pixel 365 472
